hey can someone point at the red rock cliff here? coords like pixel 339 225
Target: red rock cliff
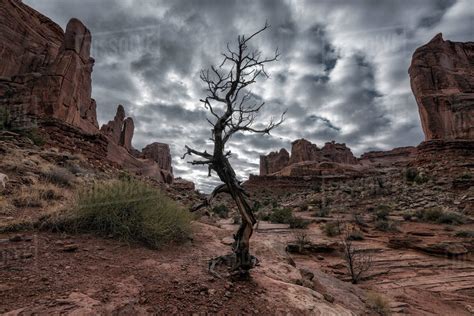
pixel 442 80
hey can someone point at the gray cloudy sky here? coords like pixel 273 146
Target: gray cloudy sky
pixel 342 74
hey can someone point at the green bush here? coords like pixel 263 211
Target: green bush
pixel 281 216
pixel 332 229
pixel 355 235
pixel 322 212
pixel 382 211
pixel 386 226
pixel 408 216
pixel 128 211
pixel 410 174
pixel 221 210
pixel 298 223
pixel 285 216
pixel 436 215
pixel 465 234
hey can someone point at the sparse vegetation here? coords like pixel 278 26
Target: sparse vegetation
pixel 436 215
pixel 302 240
pixel 332 229
pixel 285 216
pixel 126 210
pixel 59 176
pixel 322 212
pixel 464 234
pixel 358 262
pixel 355 235
pixel 378 304
pixel 221 210
pixel 382 212
pixel 408 215
pixel 386 226
pixel 410 174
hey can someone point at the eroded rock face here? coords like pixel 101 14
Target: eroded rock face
pixel 306 159
pixel 339 153
pixel 47 72
pixel 45 82
pixel 159 153
pixel 442 80
pixel 273 162
pixel 303 150
pixel 395 156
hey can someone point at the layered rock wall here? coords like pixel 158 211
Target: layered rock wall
pixel 442 80
pixel 45 81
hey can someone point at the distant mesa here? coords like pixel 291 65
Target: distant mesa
pixel 45 81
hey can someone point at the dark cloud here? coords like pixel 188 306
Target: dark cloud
pixel 342 72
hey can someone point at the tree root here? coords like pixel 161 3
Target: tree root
pixel 230 262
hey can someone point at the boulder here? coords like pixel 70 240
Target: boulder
pixel 442 80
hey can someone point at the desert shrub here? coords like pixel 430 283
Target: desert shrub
pixel 466 176
pixel 281 215
pixel 386 226
pixel 274 203
pixel 221 210
pixel 285 216
pixel 359 220
pixel 128 211
pixel 27 198
pixel 322 212
pixel 464 234
pixel 378 304
pixel 34 135
pixel 74 168
pixel 298 223
pixel 304 206
pixel 256 206
pixel 436 215
pixel 420 178
pixel 302 240
pixel 355 235
pixel 5 119
pixel 382 211
pixel 410 174
pixel 59 176
pixel 408 216
pixel 332 229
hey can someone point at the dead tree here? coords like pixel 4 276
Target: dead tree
pixel 358 262
pixel 232 109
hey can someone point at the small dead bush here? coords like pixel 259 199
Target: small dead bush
pixel 59 176
pixel 378 304
pixel 332 229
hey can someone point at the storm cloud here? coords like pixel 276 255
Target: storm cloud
pixel 342 74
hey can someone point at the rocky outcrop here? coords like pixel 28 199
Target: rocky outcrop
pixel 160 153
pixel 396 156
pixel 273 162
pixel 339 153
pixel 303 150
pixel 307 159
pixel 47 72
pixel 442 80
pixel 120 130
pixel 45 81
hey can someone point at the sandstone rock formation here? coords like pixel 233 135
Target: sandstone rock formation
pixel 336 152
pixel 442 80
pixel 274 162
pixel 395 156
pixel 45 81
pixel 160 153
pixel 47 72
pixel 306 159
pixel 303 150
pixel 120 130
